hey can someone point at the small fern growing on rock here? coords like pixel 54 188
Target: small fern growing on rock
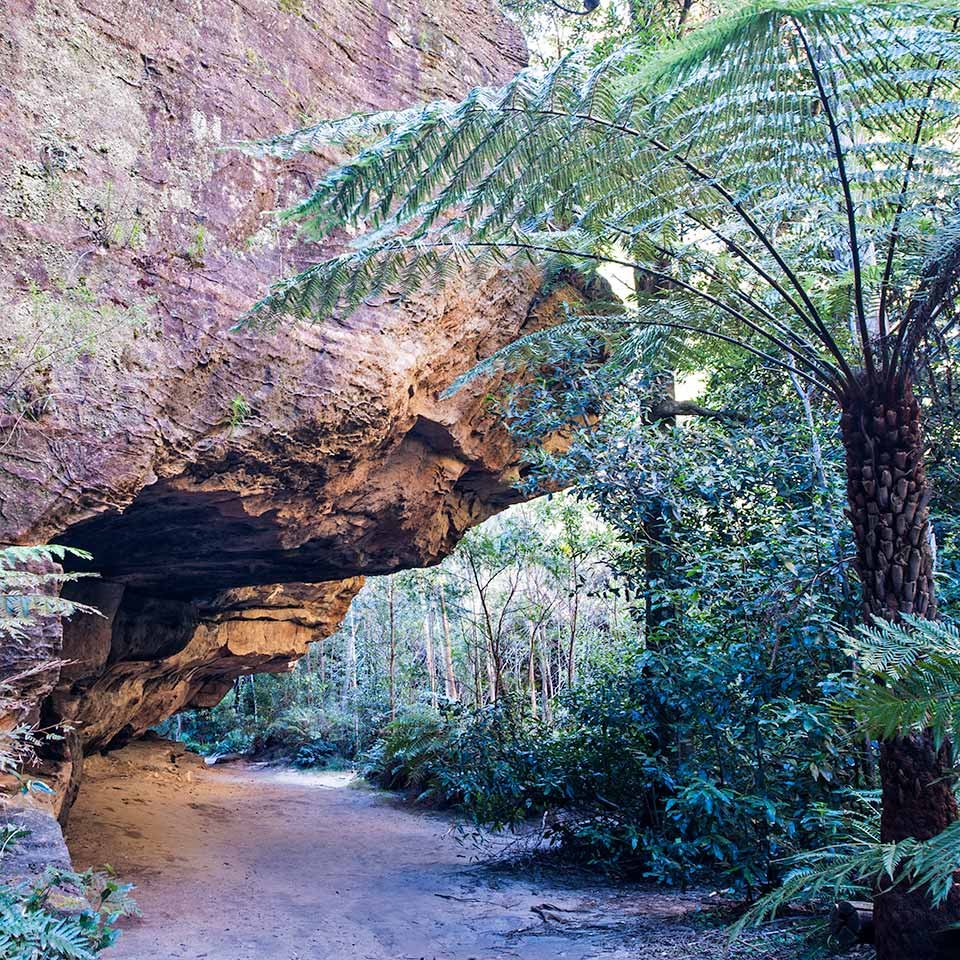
pixel 62 914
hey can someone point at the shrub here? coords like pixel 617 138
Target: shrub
pixel 411 753
pixel 316 753
pixel 716 799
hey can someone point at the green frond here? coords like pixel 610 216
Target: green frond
pixel 787 166
pixel 609 340
pixel 911 679
pixel 909 682
pixel 30 583
pixel 854 871
pixel 350 130
pixel 13 557
pixel 835 873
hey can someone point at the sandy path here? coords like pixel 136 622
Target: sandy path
pixel 240 862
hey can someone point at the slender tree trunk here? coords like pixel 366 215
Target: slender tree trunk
pixel 491 676
pixel 494 661
pixel 351 680
pixel 888 495
pixel 428 641
pixel 531 670
pixel 309 674
pixel 350 657
pixel 546 680
pixel 474 647
pixel 559 652
pixel 449 675
pixel 393 650
pixel 574 611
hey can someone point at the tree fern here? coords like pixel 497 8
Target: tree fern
pixel 828 126
pixel 411 746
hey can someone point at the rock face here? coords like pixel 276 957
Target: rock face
pixel 232 486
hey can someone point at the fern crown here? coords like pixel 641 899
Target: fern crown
pixel 788 172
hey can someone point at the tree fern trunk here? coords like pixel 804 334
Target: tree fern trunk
pixel 888 496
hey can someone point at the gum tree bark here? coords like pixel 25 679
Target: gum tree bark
pixel 888 496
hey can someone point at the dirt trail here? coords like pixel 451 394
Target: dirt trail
pixel 241 862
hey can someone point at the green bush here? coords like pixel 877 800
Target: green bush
pixel 316 753
pixel 62 916
pixel 732 792
pixel 411 754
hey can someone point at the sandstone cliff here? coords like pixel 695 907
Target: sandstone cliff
pixel 232 486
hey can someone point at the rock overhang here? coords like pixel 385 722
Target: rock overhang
pixel 233 485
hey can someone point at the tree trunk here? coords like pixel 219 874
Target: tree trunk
pixel 546 679
pixel 474 647
pixel 492 684
pixel 574 611
pixel 449 675
pixel 351 680
pixel 888 496
pixel 531 670
pixel 428 641
pixel 309 677
pixel 393 651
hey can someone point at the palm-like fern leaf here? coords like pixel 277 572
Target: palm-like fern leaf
pixel 911 679
pixel 784 166
pixel 30 584
pixel 910 682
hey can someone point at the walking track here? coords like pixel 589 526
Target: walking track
pixel 256 863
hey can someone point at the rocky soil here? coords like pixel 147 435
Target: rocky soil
pixel 255 863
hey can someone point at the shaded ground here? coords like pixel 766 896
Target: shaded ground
pixel 241 862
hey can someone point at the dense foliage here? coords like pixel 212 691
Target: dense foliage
pixel 698 742
pixel 697 739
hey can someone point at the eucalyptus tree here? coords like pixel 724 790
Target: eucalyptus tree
pixel 788 175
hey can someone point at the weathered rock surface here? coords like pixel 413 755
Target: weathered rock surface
pixel 41 846
pixel 232 485
pixel 150 656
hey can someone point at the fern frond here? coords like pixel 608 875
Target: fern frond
pixel 724 164
pixel 911 679
pixel 356 127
